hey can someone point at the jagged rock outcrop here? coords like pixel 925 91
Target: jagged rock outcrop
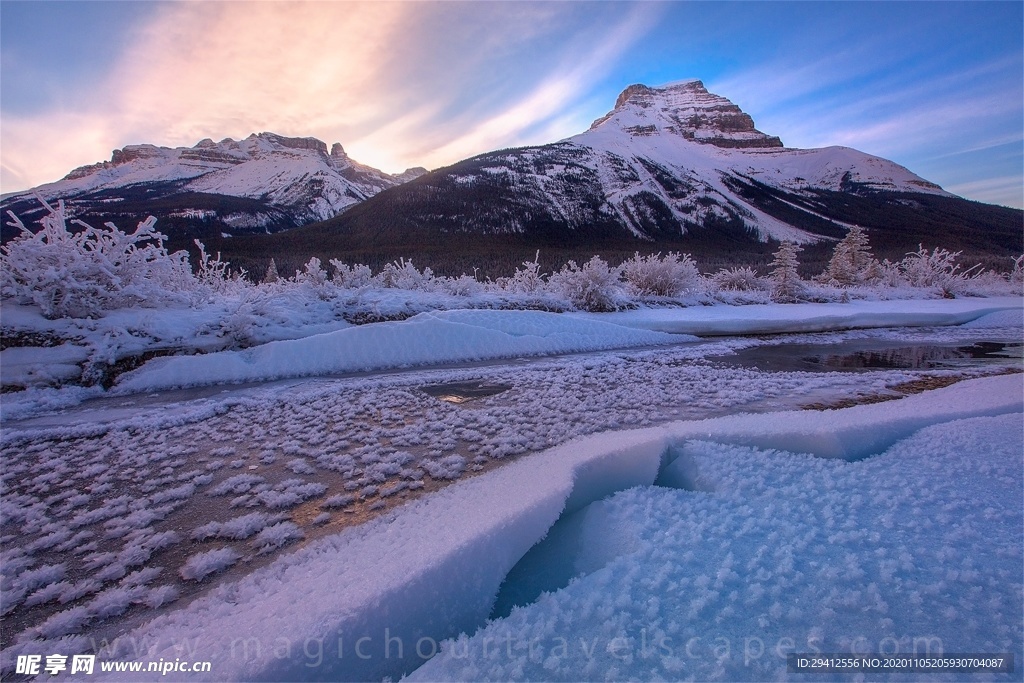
pixel 688 110
pixel 263 183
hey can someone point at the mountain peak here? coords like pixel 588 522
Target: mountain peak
pixel 687 109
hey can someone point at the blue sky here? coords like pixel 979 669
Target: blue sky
pixel 935 86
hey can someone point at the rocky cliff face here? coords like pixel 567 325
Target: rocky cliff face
pixel 687 110
pixel 265 182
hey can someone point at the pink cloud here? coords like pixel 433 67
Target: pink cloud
pixel 377 76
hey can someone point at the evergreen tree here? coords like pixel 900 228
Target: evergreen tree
pixel 787 285
pixel 851 261
pixel 271 275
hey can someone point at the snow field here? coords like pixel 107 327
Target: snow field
pixel 771 545
pixel 104 501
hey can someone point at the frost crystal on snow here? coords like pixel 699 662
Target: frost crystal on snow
pixel 201 565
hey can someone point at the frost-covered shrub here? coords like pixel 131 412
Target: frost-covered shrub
pixel 888 274
pixel 47 593
pixel 322 518
pixel 78 590
pixel 161 540
pixel 289 493
pixel 464 285
pixel 592 287
pixel 141 577
pixel 351 277
pixel 213 273
pixel 526 280
pixel 159 596
pixel 739 279
pixel 299 466
pixel 338 501
pixel 316 279
pixel 32 579
pixel 80 275
pixel 656 275
pixel 239 483
pixel 236 529
pixel 937 268
pixel 312 273
pixel 989 283
pixel 66 622
pixel 201 565
pixel 115 601
pixel 1016 274
pixel 403 274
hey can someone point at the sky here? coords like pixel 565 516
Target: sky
pixel 935 86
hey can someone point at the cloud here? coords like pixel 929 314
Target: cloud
pixel 909 110
pixel 398 83
pixel 1003 190
pixel 564 86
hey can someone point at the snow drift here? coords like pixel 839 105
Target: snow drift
pixel 439 337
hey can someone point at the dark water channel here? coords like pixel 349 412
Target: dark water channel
pixel 871 354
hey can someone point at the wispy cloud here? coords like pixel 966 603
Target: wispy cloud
pixel 393 81
pixel 1005 190
pixel 567 82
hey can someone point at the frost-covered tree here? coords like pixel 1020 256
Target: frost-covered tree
pixel 1016 274
pixel 852 262
pixel 786 283
pixel 655 275
pixel 271 274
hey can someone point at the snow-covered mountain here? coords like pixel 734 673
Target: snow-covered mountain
pixel 664 163
pixel 694 153
pixel 263 183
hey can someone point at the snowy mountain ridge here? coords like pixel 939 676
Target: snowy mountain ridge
pixel 676 157
pixel 674 165
pixel 297 179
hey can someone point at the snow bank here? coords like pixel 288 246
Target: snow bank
pixel 779 318
pixel 1009 318
pixel 861 431
pixel 25 367
pixel 439 337
pixel 915 551
pixel 374 600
